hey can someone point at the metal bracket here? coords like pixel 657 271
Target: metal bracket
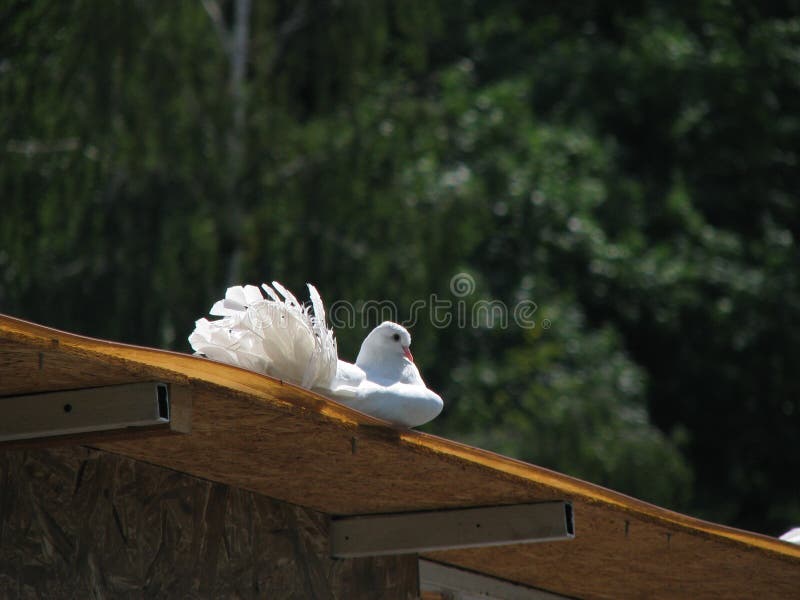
pixel 78 411
pixel 458 584
pixel 407 533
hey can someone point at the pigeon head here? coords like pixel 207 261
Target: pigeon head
pixel 388 341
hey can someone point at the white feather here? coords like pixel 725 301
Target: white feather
pixel 290 298
pixel 272 336
pixel 270 292
pixel 792 536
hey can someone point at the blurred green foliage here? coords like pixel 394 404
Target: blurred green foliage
pixel 630 168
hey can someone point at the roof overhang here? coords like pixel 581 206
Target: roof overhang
pixel 273 438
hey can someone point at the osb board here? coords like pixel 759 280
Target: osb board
pixel 80 523
pixel 262 435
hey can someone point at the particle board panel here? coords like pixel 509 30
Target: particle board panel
pixel 80 523
pixel 273 438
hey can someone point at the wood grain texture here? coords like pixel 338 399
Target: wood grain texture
pixel 80 523
pixel 257 433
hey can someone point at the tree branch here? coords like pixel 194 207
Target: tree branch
pixel 215 14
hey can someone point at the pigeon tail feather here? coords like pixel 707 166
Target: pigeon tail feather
pixel 279 337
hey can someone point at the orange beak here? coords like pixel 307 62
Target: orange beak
pixel 408 354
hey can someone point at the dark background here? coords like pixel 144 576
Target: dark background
pixel 629 167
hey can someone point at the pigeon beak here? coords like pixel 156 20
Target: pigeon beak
pixel 408 354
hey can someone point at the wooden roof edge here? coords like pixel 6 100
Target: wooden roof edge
pixel 573 487
pixel 179 367
pixel 185 368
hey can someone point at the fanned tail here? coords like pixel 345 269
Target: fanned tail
pixel 289 298
pixel 273 335
pixel 322 364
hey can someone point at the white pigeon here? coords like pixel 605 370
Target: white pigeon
pixel 278 336
pixel 391 387
pixel 792 536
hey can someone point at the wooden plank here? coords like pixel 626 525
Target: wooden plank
pixel 260 434
pixel 379 535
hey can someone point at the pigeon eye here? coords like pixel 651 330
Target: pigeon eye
pixel 396 337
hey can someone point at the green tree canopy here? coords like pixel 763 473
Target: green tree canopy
pixel 630 170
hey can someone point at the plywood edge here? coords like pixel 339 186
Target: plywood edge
pixel 579 490
pixel 187 369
